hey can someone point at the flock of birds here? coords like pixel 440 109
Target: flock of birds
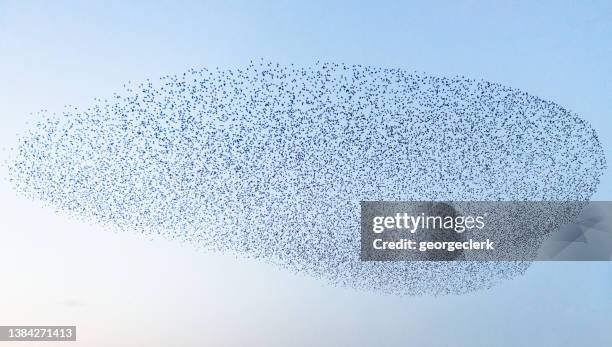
pixel 271 162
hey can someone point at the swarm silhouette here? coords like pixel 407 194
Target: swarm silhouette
pixel 271 162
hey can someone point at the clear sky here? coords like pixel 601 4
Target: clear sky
pixel 124 290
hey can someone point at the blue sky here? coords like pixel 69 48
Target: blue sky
pixel 62 271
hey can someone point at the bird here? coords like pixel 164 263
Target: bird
pixel 271 161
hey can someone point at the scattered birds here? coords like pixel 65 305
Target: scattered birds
pixel 271 161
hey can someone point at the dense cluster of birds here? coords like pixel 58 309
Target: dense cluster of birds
pixel 271 161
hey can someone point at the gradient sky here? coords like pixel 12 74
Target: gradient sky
pixel 121 289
